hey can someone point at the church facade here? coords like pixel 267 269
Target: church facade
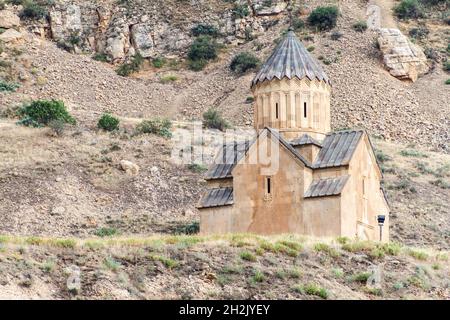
pixel 295 176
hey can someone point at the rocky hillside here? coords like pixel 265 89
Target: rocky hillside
pixel 74 185
pixel 364 94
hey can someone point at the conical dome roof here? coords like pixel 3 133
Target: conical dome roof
pixel 290 59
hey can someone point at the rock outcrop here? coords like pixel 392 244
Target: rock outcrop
pixel 154 28
pixel 403 59
pixel 10 35
pixel 129 167
pixel 267 8
pixel 8 19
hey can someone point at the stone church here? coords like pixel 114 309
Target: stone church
pixel 314 182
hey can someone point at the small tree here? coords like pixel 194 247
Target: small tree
pixel 108 122
pixel 33 10
pixel 324 18
pixel 243 62
pixel 42 112
pixel 134 65
pixel 204 29
pixel 213 119
pixel 360 26
pixel 203 49
pixel 156 126
pixel 240 11
pixel 408 9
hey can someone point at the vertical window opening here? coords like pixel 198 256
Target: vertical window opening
pixel 305 114
pixel 269 186
pixel 276 110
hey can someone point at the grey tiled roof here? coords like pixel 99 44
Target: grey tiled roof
pixel 230 154
pixel 337 149
pixel 290 59
pixel 216 197
pixel 326 187
pixel 225 160
pixel 304 140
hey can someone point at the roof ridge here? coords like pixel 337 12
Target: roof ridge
pixel 290 59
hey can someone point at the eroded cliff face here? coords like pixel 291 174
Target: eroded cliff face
pixel 119 29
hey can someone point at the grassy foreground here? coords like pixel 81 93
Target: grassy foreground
pixel 219 267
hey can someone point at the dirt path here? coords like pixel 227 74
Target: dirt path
pixel 379 14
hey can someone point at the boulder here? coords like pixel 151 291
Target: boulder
pixel 64 23
pixel 141 36
pixel 375 279
pixel 10 35
pixel 129 167
pixel 8 19
pixel 268 8
pixel 403 59
pixel 74 279
pixel 117 43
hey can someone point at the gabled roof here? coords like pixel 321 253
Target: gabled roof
pixel 326 187
pixel 304 140
pixel 288 146
pixel 290 59
pixel 226 159
pixel 337 149
pixel 230 154
pixel 216 197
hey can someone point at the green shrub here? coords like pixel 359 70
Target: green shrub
pixel 248 256
pixel 297 24
pixel 413 153
pixel 361 277
pixel 106 232
pixel 258 276
pixel 159 62
pixel 314 290
pixel 190 228
pixel 204 29
pixel 419 33
pixel 447 81
pixel 133 66
pixel 243 62
pixel 58 126
pixel 42 112
pixel 447 66
pixel 169 78
pixel 203 49
pixel 310 48
pixel 156 126
pixel 33 10
pixel 100 57
pixel 64 243
pixel 324 18
pixel 111 264
pixel 417 254
pixel 213 119
pixel 382 157
pixel 408 9
pixel 360 26
pixel 323 247
pixel 108 122
pixel 240 11
pixel 433 2
pixel 168 262
pixel 8 86
pixel 441 183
